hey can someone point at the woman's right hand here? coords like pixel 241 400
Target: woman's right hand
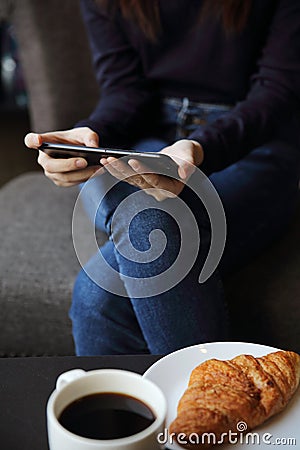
pixel 65 172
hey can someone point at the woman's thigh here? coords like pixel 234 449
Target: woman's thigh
pixel 259 194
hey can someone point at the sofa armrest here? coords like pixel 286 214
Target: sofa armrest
pixel 5 8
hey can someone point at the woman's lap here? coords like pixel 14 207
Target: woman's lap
pixel 258 195
pixel 110 191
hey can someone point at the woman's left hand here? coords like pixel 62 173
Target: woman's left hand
pixel 186 153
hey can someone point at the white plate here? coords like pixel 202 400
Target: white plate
pixel 172 372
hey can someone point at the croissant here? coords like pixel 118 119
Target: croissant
pixel 221 394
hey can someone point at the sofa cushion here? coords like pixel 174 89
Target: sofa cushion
pixel 264 297
pixel 37 266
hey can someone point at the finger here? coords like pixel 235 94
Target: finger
pixel 72 178
pixel 158 194
pixel 185 169
pixel 83 135
pixel 151 177
pixel 117 168
pixel 34 140
pixel 171 185
pixel 60 165
pixel 120 170
pixel 185 160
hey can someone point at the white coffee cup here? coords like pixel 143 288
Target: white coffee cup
pixel 77 383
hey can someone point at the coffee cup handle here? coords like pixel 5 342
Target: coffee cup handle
pixel 69 376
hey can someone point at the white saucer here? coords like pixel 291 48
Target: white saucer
pixel 171 374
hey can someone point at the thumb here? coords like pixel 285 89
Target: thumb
pixel 33 140
pixel 185 169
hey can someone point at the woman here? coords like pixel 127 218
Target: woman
pixel 211 84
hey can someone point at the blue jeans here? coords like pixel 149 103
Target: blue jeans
pixel 258 194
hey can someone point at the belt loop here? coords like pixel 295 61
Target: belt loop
pixel 183 110
pixel 181 119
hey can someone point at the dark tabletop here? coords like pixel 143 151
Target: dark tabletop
pixel 26 384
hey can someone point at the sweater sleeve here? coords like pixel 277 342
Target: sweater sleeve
pixel 126 96
pixel 273 99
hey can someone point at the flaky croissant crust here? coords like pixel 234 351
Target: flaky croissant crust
pixel 222 393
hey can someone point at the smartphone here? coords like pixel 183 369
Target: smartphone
pixel 156 162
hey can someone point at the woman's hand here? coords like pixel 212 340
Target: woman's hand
pixel 186 153
pixel 70 171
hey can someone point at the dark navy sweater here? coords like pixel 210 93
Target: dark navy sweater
pixel 257 71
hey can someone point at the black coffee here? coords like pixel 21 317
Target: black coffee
pixel 106 416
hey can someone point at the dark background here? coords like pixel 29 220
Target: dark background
pixel 14 117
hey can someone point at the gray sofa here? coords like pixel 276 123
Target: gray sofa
pixel 38 263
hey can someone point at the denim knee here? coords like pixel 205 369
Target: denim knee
pixel 147 243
